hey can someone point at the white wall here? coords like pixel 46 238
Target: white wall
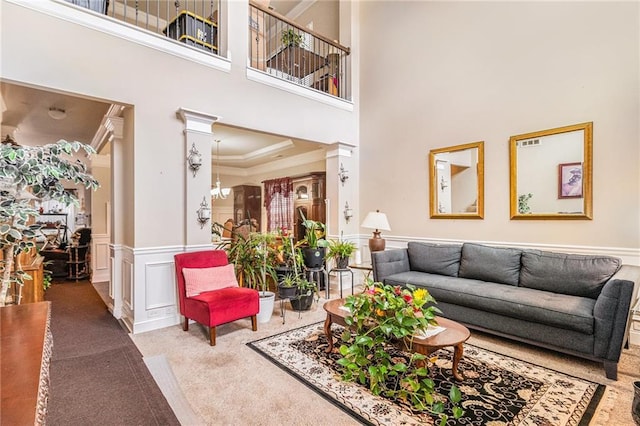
pixel 97 64
pixel 456 72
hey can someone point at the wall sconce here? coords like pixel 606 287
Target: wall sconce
pixel 194 159
pixel 342 174
pixel 348 212
pixel 204 212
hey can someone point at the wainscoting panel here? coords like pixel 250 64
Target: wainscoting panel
pixel 100 264
pixel 156 301
pixel 160 285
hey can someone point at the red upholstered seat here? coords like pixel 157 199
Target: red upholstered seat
pixel 212 308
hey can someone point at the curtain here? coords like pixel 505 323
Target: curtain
pixel 278 201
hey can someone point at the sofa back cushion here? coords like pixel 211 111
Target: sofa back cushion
pixel 493 264
pixel 442 259
pixel 573 274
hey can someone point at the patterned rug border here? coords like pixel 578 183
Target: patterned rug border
pixel 584 421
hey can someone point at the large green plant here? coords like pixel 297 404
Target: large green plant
pixel 40 171
pixel 380 315
pixel 314 233
pixel 254 258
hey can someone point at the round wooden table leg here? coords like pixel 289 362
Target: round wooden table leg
pixel 457 355
pixel 327 332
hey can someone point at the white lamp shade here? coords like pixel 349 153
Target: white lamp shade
pixel 217 191
pixel 376 220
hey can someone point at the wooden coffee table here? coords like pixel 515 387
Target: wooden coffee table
pixel 455 334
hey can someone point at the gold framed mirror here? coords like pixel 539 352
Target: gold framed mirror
pixel 551 173
pixel 456 176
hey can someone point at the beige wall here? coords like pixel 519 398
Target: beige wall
pixel 458 72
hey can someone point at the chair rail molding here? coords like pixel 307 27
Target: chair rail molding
pixel 629 256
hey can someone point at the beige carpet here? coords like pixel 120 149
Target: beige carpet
pixel 230 384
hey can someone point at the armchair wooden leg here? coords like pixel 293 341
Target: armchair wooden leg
pixel 185 326
pixel 254 322
pixel 212 336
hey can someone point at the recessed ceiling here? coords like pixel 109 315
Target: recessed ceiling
pixel 25 116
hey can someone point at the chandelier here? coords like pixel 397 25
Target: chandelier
pixel 218 191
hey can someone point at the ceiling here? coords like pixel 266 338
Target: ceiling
pixel 25 116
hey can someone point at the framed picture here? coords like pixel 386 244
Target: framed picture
pixel 570 180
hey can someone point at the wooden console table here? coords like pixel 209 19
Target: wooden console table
pixel 26 341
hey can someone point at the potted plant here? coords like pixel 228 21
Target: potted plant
pixel 28 172
pixel 307 290
pixel 384 315
pixel 340 251
pixel 291 38
pixel 288 286
pixel 254 261
pixel 313 244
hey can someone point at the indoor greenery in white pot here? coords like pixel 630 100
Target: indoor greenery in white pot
pixel 27 173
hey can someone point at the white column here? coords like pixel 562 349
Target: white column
pixel 199 136
pixel 115 126
pixel 338 193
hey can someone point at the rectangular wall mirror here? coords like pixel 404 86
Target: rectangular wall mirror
pixel 456 176
pixel 551 173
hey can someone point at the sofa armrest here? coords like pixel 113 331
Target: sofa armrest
pixel 612 313
pixel 389 262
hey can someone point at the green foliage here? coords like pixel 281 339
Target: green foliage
pixel 254 258
pixel 338 248
pixel 42 172
pixel 47 278
pixel 382 315
pixel 523 203
pixel 314 233
pixel 291 38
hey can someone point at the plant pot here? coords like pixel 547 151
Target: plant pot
pixel 635 406
pixel 287 292
pixel 342 262
pixel 313 257
pixel 302 303
pixel 267 301
pixel 282 272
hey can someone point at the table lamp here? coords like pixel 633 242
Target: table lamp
pixel 377 221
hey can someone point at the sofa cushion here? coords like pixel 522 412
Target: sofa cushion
pixel 543 307
pixel 443 259
pixel 493 264
pixel 573 274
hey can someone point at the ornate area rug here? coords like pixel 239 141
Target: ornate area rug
pixel 497 389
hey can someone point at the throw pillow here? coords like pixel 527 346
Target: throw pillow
pixel 199 280
pixel 492 264
pixel 573 274
pixel 442 259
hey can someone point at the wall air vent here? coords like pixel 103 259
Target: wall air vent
pixel 530 142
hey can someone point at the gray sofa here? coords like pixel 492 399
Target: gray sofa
pixel 576 304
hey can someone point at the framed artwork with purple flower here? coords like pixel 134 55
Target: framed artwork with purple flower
pixel 570 180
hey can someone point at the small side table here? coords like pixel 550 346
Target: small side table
pixel 341 271
pixel 366 267
pixel 314 274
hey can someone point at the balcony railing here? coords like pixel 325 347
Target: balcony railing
pixel 192 22
pixel 278 46
pixel 282 48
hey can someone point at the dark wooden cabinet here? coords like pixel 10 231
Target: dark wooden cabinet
pixel 247 203
pixel 309 195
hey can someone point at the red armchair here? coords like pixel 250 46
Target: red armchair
pixel 220 300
